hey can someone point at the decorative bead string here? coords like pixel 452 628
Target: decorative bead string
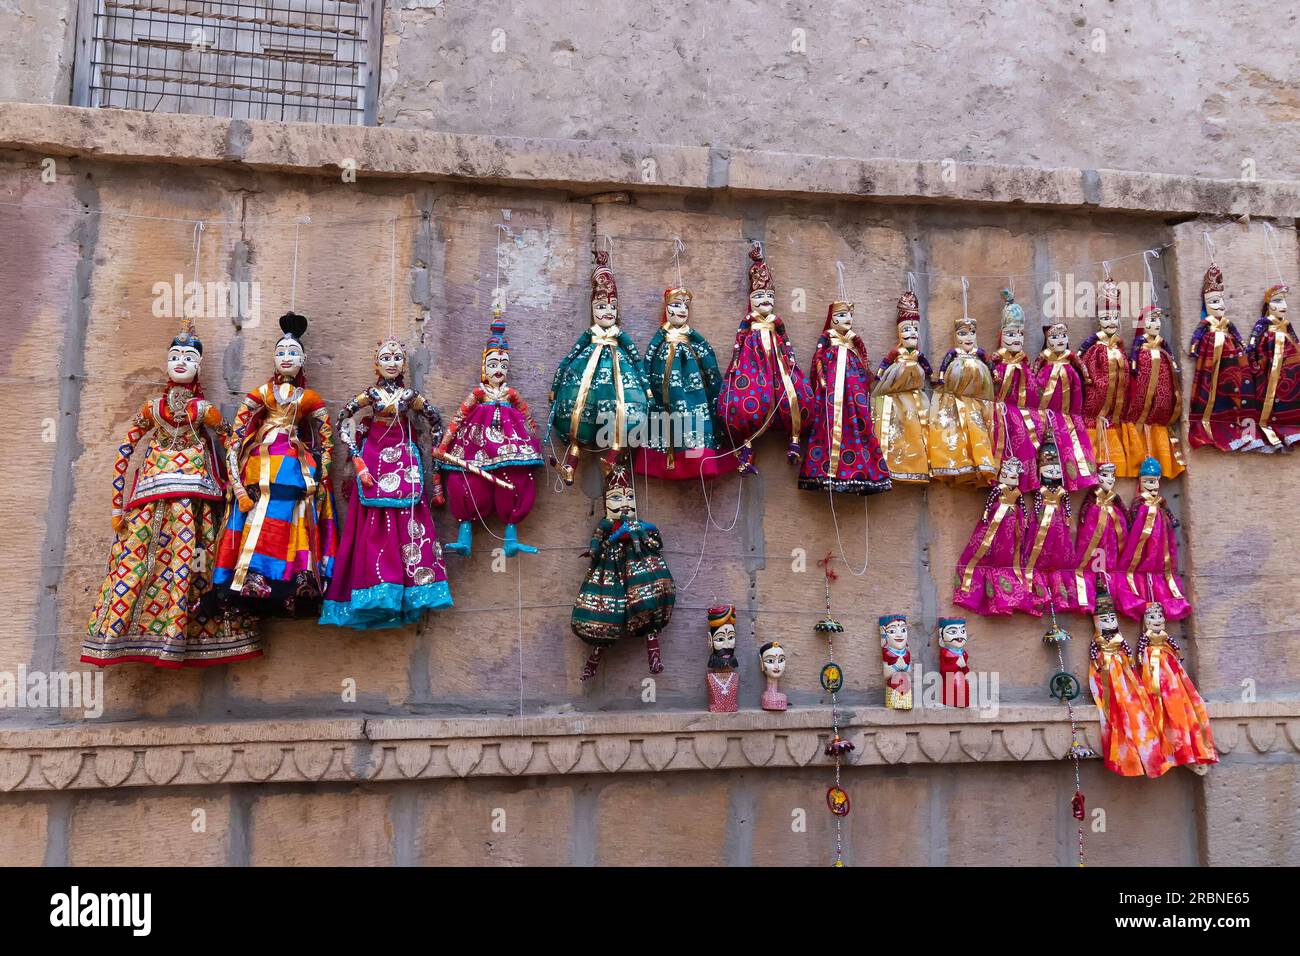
pixel 1076 748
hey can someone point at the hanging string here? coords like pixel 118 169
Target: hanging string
pixel 293 285
pixel 1209 248
pixel 198 241
pixel 1271 244
pixel 392 280
pixel 839 269
pixel 1105 269
pixel 498 294
pixel 1151 278
pixel 911 282
pixel 678 249
pixel 965 298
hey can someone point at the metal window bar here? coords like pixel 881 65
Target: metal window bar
pixel 314 61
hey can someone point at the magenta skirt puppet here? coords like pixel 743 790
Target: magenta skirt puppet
pixel 389 567
pixel 1017 424
pixel 1097 548
pixel 990 575
pixel 1148 565
pixel 1049 557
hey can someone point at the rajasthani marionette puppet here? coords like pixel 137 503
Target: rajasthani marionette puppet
pixel 840 448
pixel 599 395
pixel 1130 745
pixel 771 658
pixel 1061 380
pixel 1148 565
pixel 897 661
pixel 684 380
pixel 1050 562
pixel 1276 361
pixel 1107 364
pixel 961 413
pixel 899 401
pixel 628 591
pixel 954 665
pixel 155 605
pixel 1182 723
pixel 723 679
pixel 494 437
pixel 277 552
pixel 1103 529
pixel 1017 423
pixel 1224 411
pixel 1154 402
pixel 389 568
pixel 764 386
pixel 990 575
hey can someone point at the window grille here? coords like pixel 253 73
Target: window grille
pixel 313 61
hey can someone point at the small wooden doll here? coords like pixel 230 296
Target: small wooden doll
pixel 990 575
pixel 628 590
pixel 1050 559
pixel 494 435
pixel 1130 745
pixel 1224 410
pixel 1182 723
pixel 954 666
pixel 764 386
pixel 897 661
pixel 899 403
pixel 1017 423
pixel 771 658
pixel 389 568
pixel 1154 403
pixel 1061 380
pixel 723 678
pixel 277 552
pixel 155 605
pixel 1276 363
pixel 1103 357
pixel 1148 565
pixel 599 395
pixel 682 372
pixel 961 413
pixel 840 448
pixel 1102 531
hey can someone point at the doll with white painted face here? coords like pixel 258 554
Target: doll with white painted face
pixel 1224 408
pixel 1017 423
pixel 1154 402
pixel 723 679
pixel 899 404
pixel 1275 359
pixel 990 571
pixel 390 568
pixel 961 413
pixel 1049 546
pixel 771 658
pixel 277 552
pixel 156 603
pixel 1061 380
pixel 1103 356
pixel 954 665
pixel 1100 537
pixel 1182 723
pixel 897 661
pixel 1148 565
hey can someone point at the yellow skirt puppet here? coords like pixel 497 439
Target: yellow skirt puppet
pixel 898 402
pixel 960 419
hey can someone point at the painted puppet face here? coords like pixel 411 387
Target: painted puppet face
pixel 909 333
pixel 1108 322
pixel 496 367
pixel 1149 483
pixel 966 337
pixel 1107 622
pixel 183 364
pixel 1153 618
pixel 391 361
pixel 1277 307
pixel 842 321
pixel 724 638
pixel 289 357
pixel 1013 338
pixel 773 661
pixel 620 502
pixel 895 636
pixel 605 313
pixel 1050 472
pixel 762 301
pixel 1106 478
pixel 679 313
pixel 1215 304
pixel 1058 338
pixel 1154 324
pixel 1009 474
pixel 953 636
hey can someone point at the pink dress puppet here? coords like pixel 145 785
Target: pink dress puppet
pixel 1148 565
pixel 954 665
pixel 764 386
pixel 494 439
pixel 990 574
pixel 1061 379
pixel 1049 546
pixel 1017 423
pixel 1103 529
pixel 841 452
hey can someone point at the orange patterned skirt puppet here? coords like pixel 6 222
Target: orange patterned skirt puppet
pixel 1182 724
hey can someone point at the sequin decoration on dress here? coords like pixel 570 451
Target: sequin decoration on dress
pixel 1102 531
pixel 1061 378
pixel 990 573
pixel 961 413
pixel 1148 565
pixel 1017 424
pixel 899 404
pixel 1107 365
pixel 1275 360
pixel 1224 411
pixel 1153 405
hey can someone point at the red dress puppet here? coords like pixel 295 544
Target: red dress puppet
pixel 764 386
pixel 1224 411
pixel 1148 565
pixel 1276 362
pixel 990 574
pixel 954 666
pixel 1154 405
pixel 1103 528
pixel 1061 381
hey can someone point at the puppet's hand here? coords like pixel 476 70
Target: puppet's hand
pixel 363 473
pixel 245 502
pixel 119 524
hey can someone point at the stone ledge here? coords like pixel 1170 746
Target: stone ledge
pixel 593 166
pixel 360 750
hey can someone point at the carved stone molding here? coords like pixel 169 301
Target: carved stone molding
pixel 94 756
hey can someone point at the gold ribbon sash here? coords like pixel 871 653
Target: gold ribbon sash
pixel 842 344
pixel 767 337
pixel 1051 501
pixel 1014 363
pixel 1153 504
pixel 1105 515
pixel 600 339
pixel 1006 501
pixel 674 336
pixel 1277 330
pixel 1116 367
pixel 1219 328
pixel 1150 397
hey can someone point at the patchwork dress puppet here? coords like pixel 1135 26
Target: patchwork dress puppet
pixel 1102 355
pixel 155 605
pixel 990 572
pixel 961 413
pixel 1102 531
pixel 763 388
pixel 897 661
pixel 1130 745
pixel 1154 403
pixel 628 590
pixel 389 568
pixel 491 453
pixel 1224 412
pixel 1182 723
pixel 1061 380
pixel 1050 559
pixel 840 448
pixel 1148 565
pixel 899 402
pixel 277 552
pixel 954 665
pixel 599 395
pixel 1276 361
pixel 1017 423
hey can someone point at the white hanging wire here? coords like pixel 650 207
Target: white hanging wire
pixel 911 282
pixel 839 278
pixel 1105 270
pixel 392 279
pixel 678 248
pixel 1151 278
pixel 198 241
pixel 293 285
pixel 498 294
pixel 1209 248
pixel 965 298
pixel 1271 244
